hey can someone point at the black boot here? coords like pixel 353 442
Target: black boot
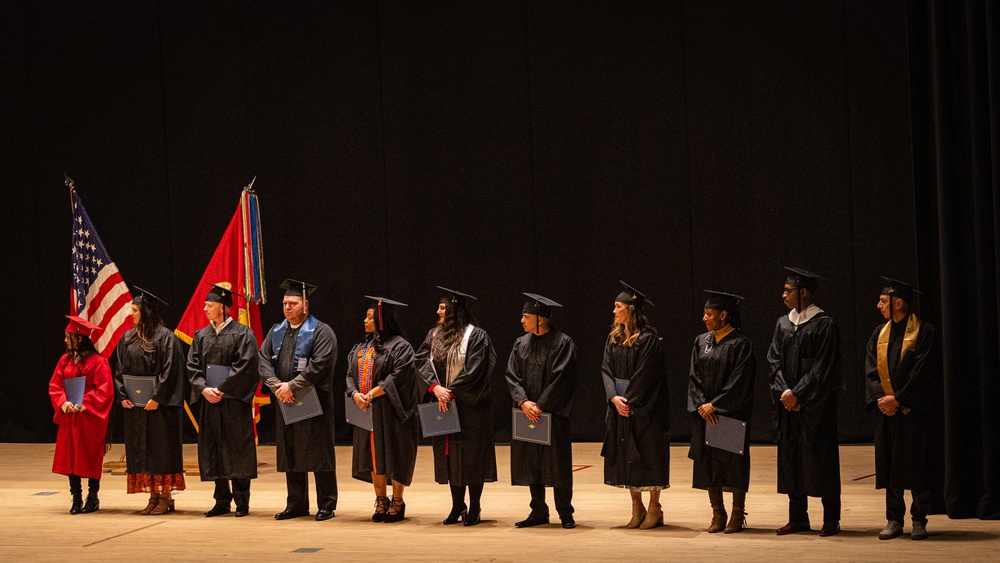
pixel 75 489
pixel 93 503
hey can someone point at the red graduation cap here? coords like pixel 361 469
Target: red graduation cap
pixel 83 327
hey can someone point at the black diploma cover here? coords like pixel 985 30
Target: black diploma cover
pixel 306 405
pixel 356 416
pixel 436 423
pixel 535 432
pixel 139 388
pixel 728 434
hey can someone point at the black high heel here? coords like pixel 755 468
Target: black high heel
pixel 472 518
pixel 457 515
pixel 381 506
pixel 399 507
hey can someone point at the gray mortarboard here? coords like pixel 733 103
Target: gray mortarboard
pixel 898 289
pixel 383 306
pixel 722 301
pixel 140 295
pixel 632 296
pixel 220 294
pixel 539 305
pixel 297 288
pixel 454 296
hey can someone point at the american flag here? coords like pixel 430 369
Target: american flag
pixel 98 292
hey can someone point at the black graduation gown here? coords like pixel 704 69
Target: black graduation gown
pixel 908 447
pixel 471 458
pixel 637 448
pixel 153 439
pixel 806 360
pixel 542 369
pixel 396 426
pixel 226 448
pixel 722 373
pixel 306 445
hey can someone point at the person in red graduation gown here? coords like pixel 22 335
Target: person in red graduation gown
pixel 82 428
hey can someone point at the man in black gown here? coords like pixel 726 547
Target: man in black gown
pixel 298 354
pixel 226 449
pixel 541 375
pixel 904 381
pixel 805 378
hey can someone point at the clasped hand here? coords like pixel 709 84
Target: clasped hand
pixel 621 403
pixel 363 400
pixel 531 410
pixel 212 394
pixel 707 411
pixel 888 405
pixel 443 395
pixel 790 401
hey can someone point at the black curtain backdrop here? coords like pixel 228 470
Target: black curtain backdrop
pixel 955 82
pixel 553 147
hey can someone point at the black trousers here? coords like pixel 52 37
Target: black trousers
pixel 798 508
pixel 563 495
pixel 895 505
pixel 297 484
pixel 240 492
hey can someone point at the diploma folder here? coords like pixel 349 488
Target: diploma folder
pixel 620 386
pixel 356 416
pixel 535 432
pixel 436 423
pixel 728 434
pixel 74 389
pixel 215 374
pixel 306 405
pixel 139 388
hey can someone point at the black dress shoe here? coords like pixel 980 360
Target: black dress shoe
pixel 793 528
pixel 829 529
pixel 472 518
pixel 532 520
pixel 289 513
pixel 242 511
pixel 568 523
pixel 217 510
pixel 324 514
pixel 93 504
pixel 457 515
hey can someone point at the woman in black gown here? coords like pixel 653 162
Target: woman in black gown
pixel 153 440
pixel 381 379
pixel 455 362
pixel 637 443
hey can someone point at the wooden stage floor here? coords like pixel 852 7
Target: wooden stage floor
pixel 36 525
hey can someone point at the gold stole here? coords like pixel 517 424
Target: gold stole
pixel 909 341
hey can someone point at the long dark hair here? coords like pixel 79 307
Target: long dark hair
pixel 84 348
pixel 149 321
pixel 451 331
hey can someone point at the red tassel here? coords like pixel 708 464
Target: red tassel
pixel 380 327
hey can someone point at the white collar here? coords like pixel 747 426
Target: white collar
pixel 808 313
pixel 218 328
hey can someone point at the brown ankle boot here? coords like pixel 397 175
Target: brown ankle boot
pixel 654 517
pixel 638 515
pixel 718 519
pixel 737 522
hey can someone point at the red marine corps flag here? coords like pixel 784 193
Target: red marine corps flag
pixel 97 292
pixel 238 260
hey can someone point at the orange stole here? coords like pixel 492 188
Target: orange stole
pixel 366 363
pixel 909 341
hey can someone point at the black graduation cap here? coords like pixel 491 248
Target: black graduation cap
pixel 140 295
pixel 454 296
pixel 632 296
pixel 802 279
pixel 539 305
pixel 383 307
pixel 297 288
pixel 220 293
pixel 722 301
pixel 898 289
pixel 729 302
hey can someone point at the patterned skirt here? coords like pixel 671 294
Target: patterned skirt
pixel 156 484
